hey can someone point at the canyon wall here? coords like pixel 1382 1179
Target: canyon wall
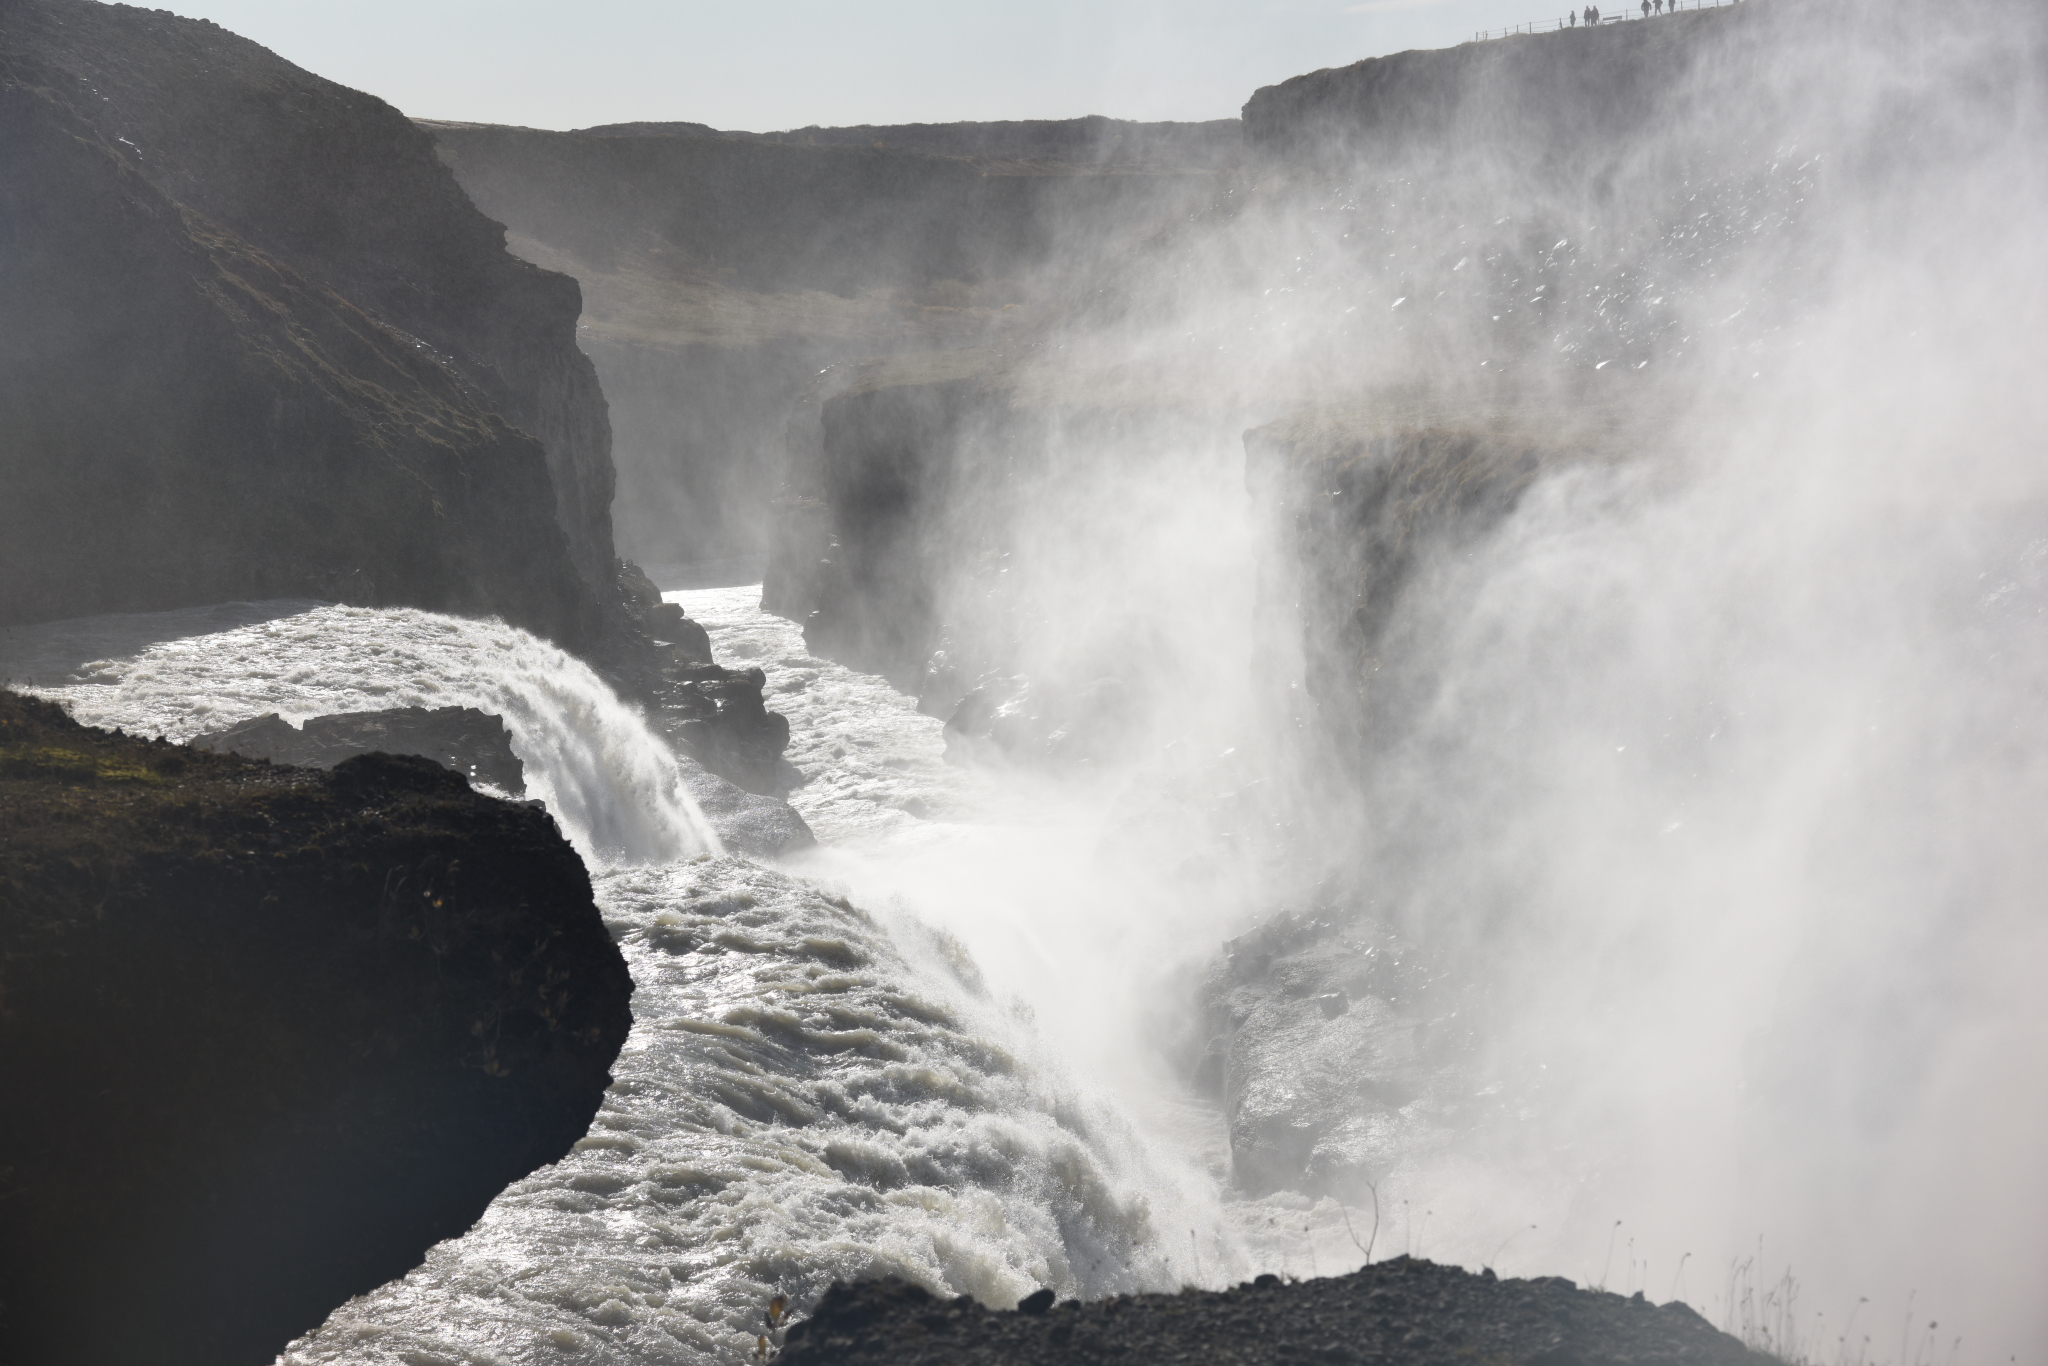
pixel 261 345
pixel 1554 97
pixel 724 271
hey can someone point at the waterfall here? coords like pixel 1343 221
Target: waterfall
pixel 611 782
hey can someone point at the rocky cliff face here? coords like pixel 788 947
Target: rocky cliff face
pixel 724 271
pixel 1559 97
pixel 267 1034
pixel 946 518
pixel 1333 1039
pixel 1373 507
pixel 260 344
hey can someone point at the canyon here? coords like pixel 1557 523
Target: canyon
pixel 1126 697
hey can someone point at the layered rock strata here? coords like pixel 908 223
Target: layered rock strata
pixel 260 344
pixel 723 271
pixel 268 1033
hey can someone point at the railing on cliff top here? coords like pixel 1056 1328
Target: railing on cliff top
pixel 1627 13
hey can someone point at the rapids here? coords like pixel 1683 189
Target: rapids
pixel 815 1087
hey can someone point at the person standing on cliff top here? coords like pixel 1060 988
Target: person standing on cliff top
pixel 1646 9
pixel 1574 17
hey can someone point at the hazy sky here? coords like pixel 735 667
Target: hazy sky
pixel 773 64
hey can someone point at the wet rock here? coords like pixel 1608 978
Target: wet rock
pixel 1319 1046
pixel 715 715
pixel 269 1033
pixel 747 822
pixel 473 743
pixel 689 639
pixel 1404 1311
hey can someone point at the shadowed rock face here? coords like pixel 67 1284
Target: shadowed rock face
pixel 1333 1043
pixel 260 344
pixel 1404 1312
pixel 267 1033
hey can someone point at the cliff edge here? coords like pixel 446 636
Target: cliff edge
pixel 267 1034
pixel 260 344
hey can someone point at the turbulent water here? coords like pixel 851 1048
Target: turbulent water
pixel 814 1088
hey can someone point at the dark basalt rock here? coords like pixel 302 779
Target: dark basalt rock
pixel 472 743
pixel 267 1033
pixel 259 344
pixel 1402 1312
pixel 715 715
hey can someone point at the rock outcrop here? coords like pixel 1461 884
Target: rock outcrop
pixel 1404 1312
pixel 267 1033
pixel 259 344
pixel 1373 505
pixel 1329 1053
pixel 715 715
pixel 461 739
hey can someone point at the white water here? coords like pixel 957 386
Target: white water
pixel 615 787
pixel 811 1090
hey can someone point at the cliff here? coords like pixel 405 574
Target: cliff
pixel 723 271
pixel 260 344
pixel 267 1034
pixel 1404 1312
pixel 1374 505
pixel 1558 97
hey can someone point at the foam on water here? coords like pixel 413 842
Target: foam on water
pixel 614 786
pixel 809 1092
pixel 804 1097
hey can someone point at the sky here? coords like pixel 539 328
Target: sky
pixel 766 65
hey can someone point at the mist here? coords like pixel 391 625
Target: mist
pixel 1453 666
pixel 1697 768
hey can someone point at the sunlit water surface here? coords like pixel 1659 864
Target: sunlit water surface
pixel 816 1086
